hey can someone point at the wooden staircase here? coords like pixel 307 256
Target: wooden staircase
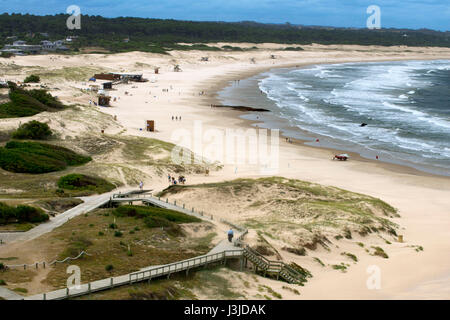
pixel 273 268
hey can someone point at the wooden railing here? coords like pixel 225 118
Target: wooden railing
pixel 273 267
pixel 184 265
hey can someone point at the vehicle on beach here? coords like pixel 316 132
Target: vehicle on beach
pixel 341 157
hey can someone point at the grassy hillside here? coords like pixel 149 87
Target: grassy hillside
pixel 298 213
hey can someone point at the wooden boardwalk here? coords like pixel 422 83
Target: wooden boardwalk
pixel 223 251
pixel 89 204
pixel 219 254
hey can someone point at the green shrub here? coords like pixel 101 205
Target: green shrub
pixel 30 214
pixel 142 212
pixel 2 282
pixel 118 234
pixel 6 54
pixel 34 157
pixel 84 182
pixel 34 130
pixel 45 98
pixel 21 213
pixel 109 267
pixel 32 78
pixel 100 233
pixel 25 103
pixel 156 222
pixel 2 266
pixel 7 214
pixel 113 226
pixel 293 49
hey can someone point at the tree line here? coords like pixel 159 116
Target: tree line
pixel 157 35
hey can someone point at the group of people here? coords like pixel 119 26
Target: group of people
pixel 173 180
pixel 176 118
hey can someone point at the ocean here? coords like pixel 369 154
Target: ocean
pixel 404 104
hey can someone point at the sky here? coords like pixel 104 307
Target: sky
pixel 414 14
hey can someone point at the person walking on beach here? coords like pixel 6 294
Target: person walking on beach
pixel 141 185
pixel 230 235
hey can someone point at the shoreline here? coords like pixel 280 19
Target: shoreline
pixel 220 85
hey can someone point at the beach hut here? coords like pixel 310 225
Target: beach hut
pixel 107 76
pixel 150 125
pixel 107 85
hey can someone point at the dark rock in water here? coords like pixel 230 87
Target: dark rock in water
pixel 363 124
pixel 240 108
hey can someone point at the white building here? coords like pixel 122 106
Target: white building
pixel 20 47
pixel 53 46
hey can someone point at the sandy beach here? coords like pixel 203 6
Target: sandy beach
pixel 422 200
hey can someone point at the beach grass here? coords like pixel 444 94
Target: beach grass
pixel 147 245
pixel 299 213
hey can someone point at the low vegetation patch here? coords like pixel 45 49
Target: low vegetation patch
pixel 154 217
pixel 127 253
pixel 32 79
pixel 81 182
pixel 34 157
pixel 152 212
pixel 21 214
pixel 58 205
pixel 350 255
pixel 319 261
pixel 378 251
pixel 342 267
pixel 297 213
pixel 26 103
pixel 295 291
pixel 33 130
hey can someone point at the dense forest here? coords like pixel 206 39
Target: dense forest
pixel 157 35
